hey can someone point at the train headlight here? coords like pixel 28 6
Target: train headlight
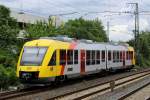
pixel 29 75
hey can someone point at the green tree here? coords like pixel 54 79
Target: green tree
pixel 8 44
pixel 78 28
pixel 8 28
pixel 85 29
pixel 41 29
pixel 144 49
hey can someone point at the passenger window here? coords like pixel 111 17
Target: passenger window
pixel 88 57
pixel 75 56
pixel 103 56
pixel 53 60
pixel 118 56
pixel 127 56
pixel 98 57
pixel 114 56
pixel 93 57
pixel 62 57
pixel 121 56
pixel 70 57
pixel 109 55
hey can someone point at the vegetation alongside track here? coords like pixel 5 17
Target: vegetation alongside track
pixel 8 44
pixel 144 49
pixel 77 28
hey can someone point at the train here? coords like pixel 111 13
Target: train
pixel 53 59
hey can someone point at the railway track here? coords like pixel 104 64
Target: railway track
pixel 37 91
pixel 22 92
pixel 7 92
pixel 133 92
pixel 100 89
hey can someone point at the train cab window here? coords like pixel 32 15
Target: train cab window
pixel 121 57
pixel 131 55
pixel 93 57
pixel 33 56
pixel 75 56
pixel 97 57
pixel 109 56
pixel 53 59
pixel 103 56
pixel 62 57
pixel 88 57
pixel 70 57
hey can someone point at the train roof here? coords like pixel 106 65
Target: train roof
pixel 65 42
pixel 67 39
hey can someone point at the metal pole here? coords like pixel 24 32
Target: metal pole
pixel 108 30
pixel 137 26
pixel 136 32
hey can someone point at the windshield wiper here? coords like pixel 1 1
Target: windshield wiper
pixel 38 51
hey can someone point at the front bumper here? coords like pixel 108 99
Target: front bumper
pixel 33 78
pixel 37 81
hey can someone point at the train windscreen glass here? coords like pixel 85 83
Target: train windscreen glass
pixel 33 56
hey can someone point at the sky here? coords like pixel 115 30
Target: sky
pixel 121 25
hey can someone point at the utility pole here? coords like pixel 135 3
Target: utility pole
pixel 108 26
pixel 136 31
pixel 108 30
pixel 137 27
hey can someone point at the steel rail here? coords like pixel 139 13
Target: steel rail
pixel 101 90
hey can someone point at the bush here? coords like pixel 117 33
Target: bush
pixel 7 77
pixel 143 60
pixel 3 77
pixel 8 41
pixel 7 68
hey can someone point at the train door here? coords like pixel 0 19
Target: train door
pixel 124 59
pixel 82 59
pixel 53 63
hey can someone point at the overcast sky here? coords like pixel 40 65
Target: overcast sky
pixel 121 25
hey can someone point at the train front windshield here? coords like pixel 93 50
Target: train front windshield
pixel 33 56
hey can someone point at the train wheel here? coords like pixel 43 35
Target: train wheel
pixel 111 70
pixel 60 79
